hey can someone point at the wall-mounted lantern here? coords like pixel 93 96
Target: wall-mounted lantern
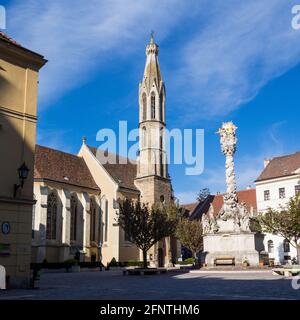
pixel 23 174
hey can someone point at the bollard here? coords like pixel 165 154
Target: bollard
pixel 2 278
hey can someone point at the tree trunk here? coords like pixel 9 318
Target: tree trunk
pixel 195 257
pixel 298 254
pixel 145 259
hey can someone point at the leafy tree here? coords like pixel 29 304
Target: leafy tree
pixel 189 233
pixel 203 194
pixel 284 222
pixel 145 226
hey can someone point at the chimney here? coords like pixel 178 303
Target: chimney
pixel 266 162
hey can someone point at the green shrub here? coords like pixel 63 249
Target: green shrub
pixel 71 262
pixel 186 261
pixel 133 263
pixel 189 260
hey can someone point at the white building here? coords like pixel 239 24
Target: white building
pixel 278 182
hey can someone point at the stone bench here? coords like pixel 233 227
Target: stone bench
pixel 139 271
pixel 221 261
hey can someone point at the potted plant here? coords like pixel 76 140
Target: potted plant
pixel 246 262
pixel 261 264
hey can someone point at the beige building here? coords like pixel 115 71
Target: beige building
pixel 61 177
pixel 19 68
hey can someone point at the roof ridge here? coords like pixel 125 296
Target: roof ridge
pixel 60 151
pixel 113 153
pixel 286 155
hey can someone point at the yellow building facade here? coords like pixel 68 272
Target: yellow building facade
pixel 19 69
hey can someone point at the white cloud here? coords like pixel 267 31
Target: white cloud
pixel 232 50
pixel 77 37
pixel 240 47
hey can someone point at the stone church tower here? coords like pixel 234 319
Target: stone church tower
pixel 152 170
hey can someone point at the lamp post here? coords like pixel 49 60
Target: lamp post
pixel 100 253
pixel 23 174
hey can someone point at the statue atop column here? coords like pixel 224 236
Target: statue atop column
pixel 233 217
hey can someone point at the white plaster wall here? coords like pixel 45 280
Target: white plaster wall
pixel 273 186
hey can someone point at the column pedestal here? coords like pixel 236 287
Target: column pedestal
pixel 239 246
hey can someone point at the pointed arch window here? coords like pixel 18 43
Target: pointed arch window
pixel 144 137
pixel 161 164
pixel 51 216
pixel 144 104
pixel 152 105
pixel 93 213
pixel 161 106
pixel 73 220
pixel 106 222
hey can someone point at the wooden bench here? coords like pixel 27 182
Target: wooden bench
pixel 224 261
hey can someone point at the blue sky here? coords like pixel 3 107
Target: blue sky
pixel 221 60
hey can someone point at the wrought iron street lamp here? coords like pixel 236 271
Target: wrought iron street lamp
pixel 23 174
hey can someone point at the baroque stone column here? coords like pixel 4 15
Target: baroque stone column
pixel 227 233
pixel 228 141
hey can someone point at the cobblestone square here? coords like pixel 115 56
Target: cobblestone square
pixel 173 286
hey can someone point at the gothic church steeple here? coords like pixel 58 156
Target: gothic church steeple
pixel 152 159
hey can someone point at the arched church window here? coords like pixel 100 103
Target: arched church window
pixel 106 222
pixel 73 220
pixel 93 214
pixel 33 219
pixel 162 199
pixel 161 105
pixel 152 105
pixel 144 103
pixel 286 246
pixel 51 216
pixel 161 164
pixel 270 246
pixel 144 137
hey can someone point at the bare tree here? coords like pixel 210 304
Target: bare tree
pixel 284 222
pixel 189 233
pixel 145 226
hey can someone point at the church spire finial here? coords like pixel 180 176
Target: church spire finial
pixel 152 47
pixel 152 37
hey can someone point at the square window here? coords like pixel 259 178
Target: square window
pixel 281 193
pixel 267 195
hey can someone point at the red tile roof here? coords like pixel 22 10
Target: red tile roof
pixel 247 196
pixel 9 40
pixel 281 167
pixel 62 167
pixel 190 207
pixel 123 174
pixel 5 37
